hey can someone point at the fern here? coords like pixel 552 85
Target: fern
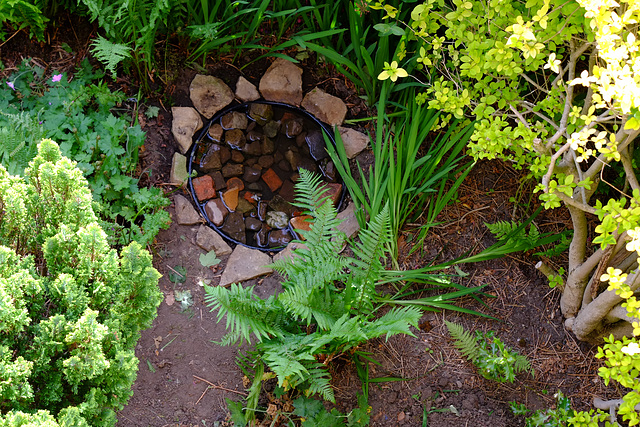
pixel 503 230
pixel 109 53
pixel 463 341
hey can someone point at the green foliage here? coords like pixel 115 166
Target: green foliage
pixel 71 307
pixel 494 360
pixel 87 118
pixel 327 304
pixel 22 14
pixel 109 53
pixel 557 417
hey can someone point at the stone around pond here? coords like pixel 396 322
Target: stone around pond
pixel 185 212
pixel 334 191
pixel 245 264
pixel 261 113
pixel 246 91
pixel 234 120
pixel 209 240
pixel 216 211
pixel 234 227
pixel 282 82
pixel 354 142
pixel 277 219
pixel 179 174
pixel 327 108
pixel 209 94
pixel 186 122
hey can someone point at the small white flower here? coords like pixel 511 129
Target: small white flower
pixel 632 349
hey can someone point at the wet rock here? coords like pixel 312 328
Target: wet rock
pixel 246 91
pixel 244 206
pixel 316 144
pixel 267 146
pixel 218 180
pixel 288 191
pixel 216 211
pixel 272 179
pixel 235 139
pixel 234 227
pixel 265 161
pixel 235 182
pixel 211 161
pixel 179 174
pixel 225 154
pixel 292 127
pixel 278 238
pixel 216 132
pixel 354 142
pixel 262 210
pixel 252 198
pixel 329 170
pixel 234 120
pixel 209 94
pixel 327 108
pixel 245 264
pixel 271 129
pixel 293 159
pixel 185 212
pixel 262 236
pixel 230 198
pixel 232 169
pixel 254 135
pixel 301 223
pixel 251 174
pixel 289 253
pixel 254 186
pixel 261 113
pixel 282 82
pixel 203 187
pixel 253 149
pixel 277 219
pixel 186 122
pixel 308 164
pixel 334 191
pixel 209 240
pixel 237 156
pixel 284 165
pixel 300 139
pixel 253 224
pixel 278 203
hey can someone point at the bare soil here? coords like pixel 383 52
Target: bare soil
pixel 184 377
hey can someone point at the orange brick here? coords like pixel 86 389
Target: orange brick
pixel 230 199
pixel 272 179
pixel 301 223
pixel 203 187
pixel 251 198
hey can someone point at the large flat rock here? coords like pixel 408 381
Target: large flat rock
pixel 209 94
pixel 185 123
pixel 282 82
pixel 245 264
pixel 327 108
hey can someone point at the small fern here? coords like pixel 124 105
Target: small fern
pixel 503 230
pixel 494 360
pixel 109 53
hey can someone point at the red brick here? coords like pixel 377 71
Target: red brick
pixel 203 187
pixel 301 223
pixel 251 198
pixel 272 179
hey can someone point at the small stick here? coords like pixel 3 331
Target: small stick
pixel 179 274
pixel 241 393
pixel 203 393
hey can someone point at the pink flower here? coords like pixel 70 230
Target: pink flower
pixel 56 78
pixel 10 84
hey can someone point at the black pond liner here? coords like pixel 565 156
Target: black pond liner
pixel 245 108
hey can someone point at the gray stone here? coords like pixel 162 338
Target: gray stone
pixel 289 253
pixel 327 108
pixel 216 211
pixel 277 219
pixel 282 82
pixel 354 142
pixel 349 224
pixel 234 120
pixel 209 240
pixel 179 174
pixel 186 122
pixel 246 91
pixel 209 94
pixel 186 214
pixel 245 264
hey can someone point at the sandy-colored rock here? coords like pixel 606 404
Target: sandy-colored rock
pixel 186 122
pixel 325 107
pixel 354 142
pixel 245 264
pixel 209 94
pixel 209 240
pixel 349 224
pixel 246 91
pixel 216 211
pixel 282 82
pixel 186 214
pixel 288 253
pixel 179 174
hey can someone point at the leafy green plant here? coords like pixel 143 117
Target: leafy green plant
pixel 494 360
pixel 87 119
pixel 71 307
pixel 557 417
pixel 327 304
pixel 22 14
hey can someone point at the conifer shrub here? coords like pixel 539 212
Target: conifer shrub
pixel 71 307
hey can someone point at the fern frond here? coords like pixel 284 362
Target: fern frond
pixel 109 53
pixel 346 332
pixel 245 313
pixel 308 191
pixel 463 341
pixel 320 382
pixel 285 357
pixel 504 230
pixel 396 321
pixel 522 364
pixel 312 304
